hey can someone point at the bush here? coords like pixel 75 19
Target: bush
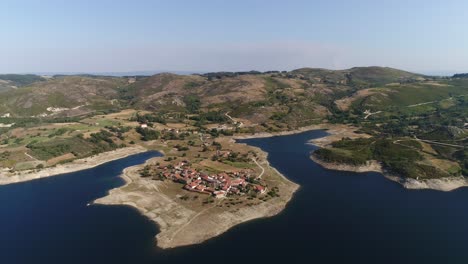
pixel 148 134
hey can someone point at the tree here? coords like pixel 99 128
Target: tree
pixel 192 103
pixel 146 172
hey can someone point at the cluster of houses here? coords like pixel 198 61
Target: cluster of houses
pixel 219 185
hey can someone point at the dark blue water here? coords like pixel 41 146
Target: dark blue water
pixel 47 220
pixel 335 217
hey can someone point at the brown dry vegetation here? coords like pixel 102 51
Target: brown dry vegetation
pixel 345 103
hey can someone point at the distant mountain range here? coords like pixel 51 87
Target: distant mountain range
pixel 113 74
pixel 461 75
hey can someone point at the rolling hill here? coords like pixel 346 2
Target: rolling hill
pixel 405 113
pixel 358 77
pixel 407 96
pixel 296 98
pixel 13 81
pixel 70 95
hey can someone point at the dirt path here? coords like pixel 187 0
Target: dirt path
pixel 432 102
pixel 369 113
pixel 31 157
pixel 438 143
pixel 397 142
pixel 234 121
pixel 260 166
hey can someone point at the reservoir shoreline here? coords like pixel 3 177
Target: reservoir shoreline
pixel 332 212
pixel 179 224
pixel 443 184
pixel 158 207
pixel 7 177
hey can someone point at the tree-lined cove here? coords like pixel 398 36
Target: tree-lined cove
pixel 334 217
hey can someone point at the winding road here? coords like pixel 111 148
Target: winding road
pixel 438 143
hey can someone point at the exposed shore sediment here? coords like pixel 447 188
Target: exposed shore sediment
pixel 7 177
pixel 282 133
pixel 370 166
pixel 442 184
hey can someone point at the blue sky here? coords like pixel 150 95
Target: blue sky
pixel 122 36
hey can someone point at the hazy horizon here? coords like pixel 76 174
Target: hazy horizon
pixel 149 72
pixel 182 36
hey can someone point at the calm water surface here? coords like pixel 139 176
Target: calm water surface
pixel 335 217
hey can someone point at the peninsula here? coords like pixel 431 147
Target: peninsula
pixel 192 199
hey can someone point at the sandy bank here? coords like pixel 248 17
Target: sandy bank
pixel 7 177
pixel 282 133
pixel 370 166
pixel 442 184
pixel 183 223
pixel 335 132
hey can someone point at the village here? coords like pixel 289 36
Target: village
pixel 219 185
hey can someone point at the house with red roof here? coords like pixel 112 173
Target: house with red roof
pixel 260 189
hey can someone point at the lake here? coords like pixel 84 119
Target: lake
pixel 335 217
